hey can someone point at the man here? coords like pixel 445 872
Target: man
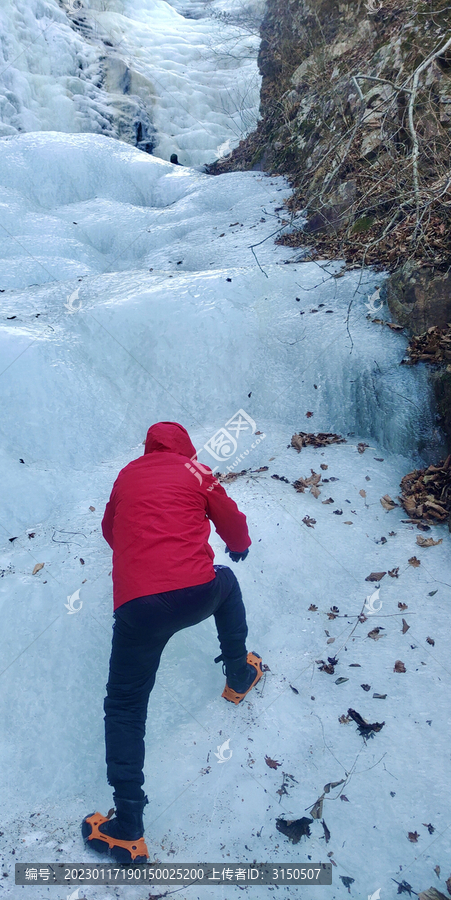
pixel 157 524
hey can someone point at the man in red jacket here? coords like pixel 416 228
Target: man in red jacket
pixel 157 522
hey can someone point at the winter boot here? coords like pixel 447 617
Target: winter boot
pixel 120 837
pixel 241 674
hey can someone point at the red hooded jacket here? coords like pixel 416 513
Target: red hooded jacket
pixel 157 518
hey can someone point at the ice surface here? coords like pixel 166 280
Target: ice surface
pixel 134 69
pixel 130 293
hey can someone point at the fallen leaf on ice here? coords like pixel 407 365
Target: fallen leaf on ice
pixel 312 608
pixel 344 720
pixel 317 808
pixel 272 763
pixel 394 573
pixel 375 634
pixel 341 680
pixel 432 894
pixel 323 466
pixel 326 667
pixel 413 836
pixel 329 500
pixel 346 879
pixel 387 502
pixel 92 508
pixel 365 728
pixel 294 829
pixel 402 606
pixel 375 576
pixel 366 687
pixel 413 561
pixel 332 784
pixel 405 626
pixel 430 641
pixel 428 542
pixel 37 568
pixel 309 522
pixel 362 493
pixel 399 666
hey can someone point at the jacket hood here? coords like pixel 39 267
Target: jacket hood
pixel 170 437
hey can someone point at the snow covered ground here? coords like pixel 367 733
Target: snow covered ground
pixel 132 291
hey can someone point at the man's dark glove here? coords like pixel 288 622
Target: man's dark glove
pixel 235 556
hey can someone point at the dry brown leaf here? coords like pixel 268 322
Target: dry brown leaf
pixel 448 884
pixel 405 626
pixel 375 576
pixel 323 466
pixel 344 720
pixel 430 641
pixel 309 521
pixel 437 871
pixel 331 785
pixel 312 608
pixel 329 500
pixel 37 568
pixel 413 836
pixel 375 634
pixel 402 606
pixel 387 502
pixel 315 491
pixel 394 573
pixel 92 508
pixel 316 811
pixel 362 493
pixel 433 894
pixel 272 763
pixel 332 640
pixel 399 666
pixel 428 542
pixel 413 561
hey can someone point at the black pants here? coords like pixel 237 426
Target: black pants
pixel 141 630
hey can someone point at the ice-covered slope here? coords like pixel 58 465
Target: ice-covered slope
pixel 153 306
pixel 135 69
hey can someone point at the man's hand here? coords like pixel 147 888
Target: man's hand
pixel 235 556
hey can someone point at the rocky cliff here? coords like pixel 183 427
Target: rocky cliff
pixel 356 112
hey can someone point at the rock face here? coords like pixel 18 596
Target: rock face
pixel 418 297
pixel 356 112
